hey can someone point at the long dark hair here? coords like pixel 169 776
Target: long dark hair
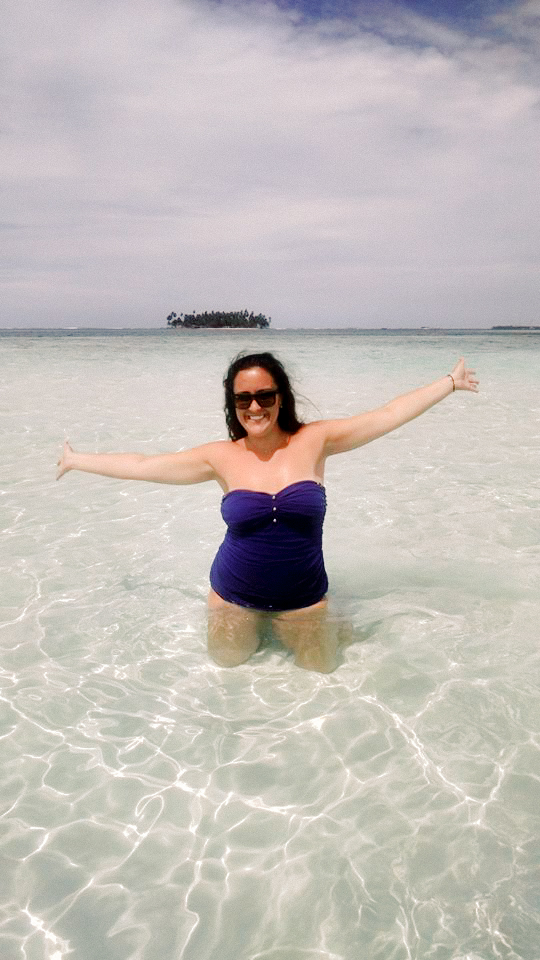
pixel 287 419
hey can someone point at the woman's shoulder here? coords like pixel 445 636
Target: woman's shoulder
pixel 313 429
pixel 217 448
pixel 219 452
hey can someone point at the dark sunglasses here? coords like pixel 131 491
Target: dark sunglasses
pixel 265 398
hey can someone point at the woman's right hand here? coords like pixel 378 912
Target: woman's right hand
pixel 63 463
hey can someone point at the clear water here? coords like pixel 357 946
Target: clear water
pixel 156 806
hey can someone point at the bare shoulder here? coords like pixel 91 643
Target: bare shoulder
pixel 216 446
pixel 314 431
pixel 340 435
pixel 217 452
pixel 224 455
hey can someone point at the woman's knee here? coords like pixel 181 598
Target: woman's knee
pixel 228 658
pixel 311 636
pixel 229 649
pixel 232 633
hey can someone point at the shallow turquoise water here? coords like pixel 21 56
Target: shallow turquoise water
pixel 155 806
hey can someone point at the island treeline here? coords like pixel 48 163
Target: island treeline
pixel 219 318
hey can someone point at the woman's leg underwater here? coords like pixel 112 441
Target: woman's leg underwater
pixel 312 636
pixel 233 635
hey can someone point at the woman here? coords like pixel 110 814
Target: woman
pixel 271 470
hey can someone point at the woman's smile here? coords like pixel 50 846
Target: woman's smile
pixel 252 417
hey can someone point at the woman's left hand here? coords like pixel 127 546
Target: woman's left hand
pixel 463 378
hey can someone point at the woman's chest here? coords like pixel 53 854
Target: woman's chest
pixel 251 470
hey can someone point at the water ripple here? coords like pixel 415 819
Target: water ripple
pixel 156 807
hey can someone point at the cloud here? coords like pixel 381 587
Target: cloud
pixel 179 155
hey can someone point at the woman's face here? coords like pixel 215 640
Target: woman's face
pixel 256 420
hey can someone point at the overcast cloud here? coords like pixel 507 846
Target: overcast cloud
pixel 164 155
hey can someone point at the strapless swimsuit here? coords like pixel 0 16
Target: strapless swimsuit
pixel 271 557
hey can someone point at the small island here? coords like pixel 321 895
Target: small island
pixel 218 319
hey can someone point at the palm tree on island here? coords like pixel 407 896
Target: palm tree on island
pixel 218 319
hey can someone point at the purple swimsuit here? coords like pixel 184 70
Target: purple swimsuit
pixel 271 557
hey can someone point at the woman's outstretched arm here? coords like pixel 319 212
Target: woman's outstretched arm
pixel 351 432
pixel 188 466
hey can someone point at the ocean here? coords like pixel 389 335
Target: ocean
pixel 158 807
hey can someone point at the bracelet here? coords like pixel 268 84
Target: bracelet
pixel 453 381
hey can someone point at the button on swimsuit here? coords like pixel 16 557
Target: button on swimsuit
pixel 271 557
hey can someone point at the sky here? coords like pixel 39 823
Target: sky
pixel 328 163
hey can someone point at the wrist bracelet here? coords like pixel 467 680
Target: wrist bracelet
pixel 453 381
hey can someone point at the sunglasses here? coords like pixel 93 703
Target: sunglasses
pixel 265 398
